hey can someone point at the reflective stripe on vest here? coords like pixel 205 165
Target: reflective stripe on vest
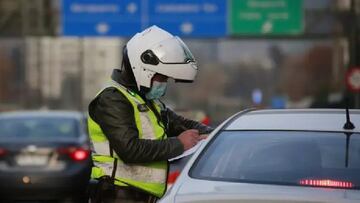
pixel 149 177
pixel 135 172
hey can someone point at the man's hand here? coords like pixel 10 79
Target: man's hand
pixel 189 138
pixel 204 136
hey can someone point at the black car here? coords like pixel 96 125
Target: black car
pixel 44 156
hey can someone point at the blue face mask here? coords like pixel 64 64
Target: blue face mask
pixel 157 90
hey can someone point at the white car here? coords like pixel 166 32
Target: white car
pixel 309 155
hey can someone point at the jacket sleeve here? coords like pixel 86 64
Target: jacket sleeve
pixel 115 115
pixel 177 124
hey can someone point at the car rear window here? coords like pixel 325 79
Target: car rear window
pixel 282 157
pixel 40 128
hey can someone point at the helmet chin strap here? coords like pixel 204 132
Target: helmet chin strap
pixel 144 90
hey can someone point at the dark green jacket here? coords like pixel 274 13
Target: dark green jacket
pixel 114 113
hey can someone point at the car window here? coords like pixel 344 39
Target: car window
pixel 39 127
pixel 281 157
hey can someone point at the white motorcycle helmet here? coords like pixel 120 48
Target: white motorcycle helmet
pixel 156 51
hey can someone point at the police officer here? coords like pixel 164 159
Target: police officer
pixel 133 133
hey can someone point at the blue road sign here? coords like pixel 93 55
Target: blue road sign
pixel 193 18
pixel 101 18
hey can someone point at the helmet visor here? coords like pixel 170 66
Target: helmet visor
pixel 173 51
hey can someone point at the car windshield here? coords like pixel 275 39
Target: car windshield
pixel 282 157
pixel 38 127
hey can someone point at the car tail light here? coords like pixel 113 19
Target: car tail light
pixel 172 177
pixel 206 120
pixel 75 153
pixel 327 183
pixel 3 152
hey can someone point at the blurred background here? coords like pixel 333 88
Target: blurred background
pixel 252 53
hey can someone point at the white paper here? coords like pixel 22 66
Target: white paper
pixel 189 151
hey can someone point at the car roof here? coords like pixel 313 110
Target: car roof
pixel 42 113
pixel 294 119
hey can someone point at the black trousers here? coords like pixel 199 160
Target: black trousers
pixel 126 195
pixel 107 192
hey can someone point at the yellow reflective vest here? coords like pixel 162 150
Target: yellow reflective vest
pixel 149 177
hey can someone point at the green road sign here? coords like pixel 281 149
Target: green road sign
pixel 266 17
